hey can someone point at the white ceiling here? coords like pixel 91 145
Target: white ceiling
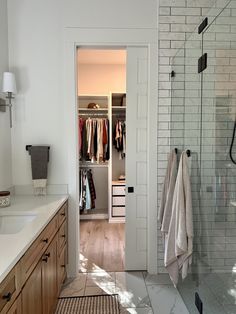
pixel 95 56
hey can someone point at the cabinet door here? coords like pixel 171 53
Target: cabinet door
pixel 49 277
pixel 16 306
pixel 61 268
pixel 32 293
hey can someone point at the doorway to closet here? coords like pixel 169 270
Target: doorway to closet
pixel 102 158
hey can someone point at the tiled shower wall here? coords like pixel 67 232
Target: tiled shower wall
pixel 177 20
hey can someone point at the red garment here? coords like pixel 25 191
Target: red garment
pixel 80 131
pixel 105 137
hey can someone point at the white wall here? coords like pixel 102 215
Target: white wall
pixel 37 45
pixel 111 13
pixel 35 54
pixel 101 78
pixel 5 134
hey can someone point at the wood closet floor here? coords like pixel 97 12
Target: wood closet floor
pixel 101 246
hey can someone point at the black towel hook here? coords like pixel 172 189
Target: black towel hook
pixel 188 152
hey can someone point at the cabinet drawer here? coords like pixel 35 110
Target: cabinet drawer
pixel 62 214
pixel 118 190
pixel 62 236
pixel 9 289
pixel 118 211
pixel 118 201
pixel 34 253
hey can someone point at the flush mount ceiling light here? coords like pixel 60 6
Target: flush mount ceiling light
pixel 9 88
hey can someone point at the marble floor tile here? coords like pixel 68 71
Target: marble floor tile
pixel 230 309
pixel 211 305
pixel 94 291
pixel 100 278
pixel 144 310
pixel 225 295
pixel 131 289
pixel 165 299
pixel 74 287
pixel 160 279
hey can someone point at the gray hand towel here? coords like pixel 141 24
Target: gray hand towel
pixel 39 165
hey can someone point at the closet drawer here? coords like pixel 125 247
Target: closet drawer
pixel 118 201
pixel 118 190
pixel 118 211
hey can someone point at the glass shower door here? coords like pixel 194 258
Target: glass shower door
pixel 218 171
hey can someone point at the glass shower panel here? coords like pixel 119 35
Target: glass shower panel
pixel 218 172
pixel 191 140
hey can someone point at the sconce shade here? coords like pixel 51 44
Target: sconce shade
pixel 9 83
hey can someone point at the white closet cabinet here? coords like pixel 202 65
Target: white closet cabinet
pixel 110 191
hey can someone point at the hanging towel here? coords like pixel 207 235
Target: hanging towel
pixel 179 242
pixel 39 165
pixel 165 209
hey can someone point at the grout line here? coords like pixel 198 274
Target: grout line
pixel 147 292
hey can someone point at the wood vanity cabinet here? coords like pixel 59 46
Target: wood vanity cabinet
pixel 35 283
pixel 49 278
pixel 16 306
pixel 31 295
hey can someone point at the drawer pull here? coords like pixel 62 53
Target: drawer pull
pixel 63 266
pixel 45 240
pixel 47 254
pixel 45 259
pixel 7 296
pixel 63 235
pixel 63 214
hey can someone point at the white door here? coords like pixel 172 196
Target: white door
pixel 136 159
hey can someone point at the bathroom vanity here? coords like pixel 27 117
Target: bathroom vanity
pixel 33 260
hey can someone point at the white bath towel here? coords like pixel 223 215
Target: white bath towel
pixel 165 209
pixel 179 242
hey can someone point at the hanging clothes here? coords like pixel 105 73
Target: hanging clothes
pixel 94 139
pixel 87 190
pixel 119 138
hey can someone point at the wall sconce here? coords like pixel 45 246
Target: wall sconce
pixel 9 87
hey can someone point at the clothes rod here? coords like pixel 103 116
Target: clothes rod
pixel 93 114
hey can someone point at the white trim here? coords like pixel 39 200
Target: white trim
pixel 75 37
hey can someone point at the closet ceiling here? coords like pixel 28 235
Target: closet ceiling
pixel 93 56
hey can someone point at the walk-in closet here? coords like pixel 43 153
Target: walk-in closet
pixel 102 154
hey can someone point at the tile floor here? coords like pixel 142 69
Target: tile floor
pixel 138 292
pixel 217 291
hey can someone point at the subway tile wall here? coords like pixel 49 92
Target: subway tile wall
pixel 179 113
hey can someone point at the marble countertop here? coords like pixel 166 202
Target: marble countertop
pixel 13 246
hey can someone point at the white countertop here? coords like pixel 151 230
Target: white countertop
pixel 13 246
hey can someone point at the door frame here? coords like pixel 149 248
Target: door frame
pixel 112 38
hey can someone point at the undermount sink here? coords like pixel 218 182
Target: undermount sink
pixel 14 223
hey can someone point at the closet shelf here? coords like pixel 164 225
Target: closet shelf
pixel 118 107
pixel 88 97
pixel 93 110
pixel 92 165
